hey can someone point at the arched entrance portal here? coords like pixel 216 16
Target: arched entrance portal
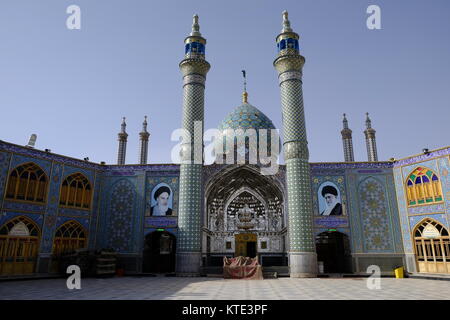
pixel 159 252
pixel 333 249
pixel 432 246
pixel 19 244
pixel 244 216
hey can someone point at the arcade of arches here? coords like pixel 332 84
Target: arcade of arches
pixel 28 182
pixel 19 244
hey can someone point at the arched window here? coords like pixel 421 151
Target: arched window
pixel 432 244
pixel 423 187
pixel 76 192
pixel 69 237
pixel 19 244
pixel 27 182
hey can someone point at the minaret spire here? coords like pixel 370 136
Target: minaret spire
pixel 345 121
pixel 194 44
pixel 245 94
pixel 123 135
pixel 289 64
pixel 371 142
pixel 286 23
pixel 347 141
pixel 143 150
pixel 195 27
pixel 368 121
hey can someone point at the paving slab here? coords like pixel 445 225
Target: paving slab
pixel 173 288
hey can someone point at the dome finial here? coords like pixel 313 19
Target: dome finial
pixel 286 23
pixel 245 94
pixel 195 27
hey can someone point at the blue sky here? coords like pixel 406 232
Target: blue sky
pixel 72 87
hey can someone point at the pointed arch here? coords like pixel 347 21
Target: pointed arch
pixel 241 190
pixel 27 182
pixel 19 245
pixel 422 225
pixel 69 237
pixel 229 183
pixel 11 227
pixel 423 187
pixel 432 246
pixel 76 192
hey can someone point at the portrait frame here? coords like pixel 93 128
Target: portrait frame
pixel 153 202
pixel 322 205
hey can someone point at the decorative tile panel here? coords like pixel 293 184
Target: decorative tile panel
pixel 375 216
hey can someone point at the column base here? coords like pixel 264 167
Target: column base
pixel 410 261
pixel 303 264
pixel 188 264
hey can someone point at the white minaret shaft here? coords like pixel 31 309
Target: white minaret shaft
pixel 143 150
pixel 371 143
pixel 122 143
pixel 347 141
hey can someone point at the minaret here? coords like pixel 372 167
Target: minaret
pixel 122 143
pixel 289 64
pixel 347 142
pixel 371 142
pixel 143 150
pixel 194 68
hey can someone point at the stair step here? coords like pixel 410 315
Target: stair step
pixel 270 275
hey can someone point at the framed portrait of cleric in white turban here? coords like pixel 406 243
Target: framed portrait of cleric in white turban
pixel 329 197
pixel 161 200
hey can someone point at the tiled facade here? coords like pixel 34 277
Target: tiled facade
pixel 411 216
pixel 375 215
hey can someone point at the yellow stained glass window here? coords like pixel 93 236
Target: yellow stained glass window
pixel 423 187
pixel 76 192
pixel 27 182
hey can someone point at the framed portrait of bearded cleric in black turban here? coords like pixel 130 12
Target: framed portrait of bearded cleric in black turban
pixel 161 200
pixel 329 200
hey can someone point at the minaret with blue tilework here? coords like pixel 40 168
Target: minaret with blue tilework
pixel 289 64
pixel 194 68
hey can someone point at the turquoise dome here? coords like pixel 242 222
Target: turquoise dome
pixel 245 117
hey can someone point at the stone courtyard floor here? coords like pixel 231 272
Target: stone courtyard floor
pixel 172 288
